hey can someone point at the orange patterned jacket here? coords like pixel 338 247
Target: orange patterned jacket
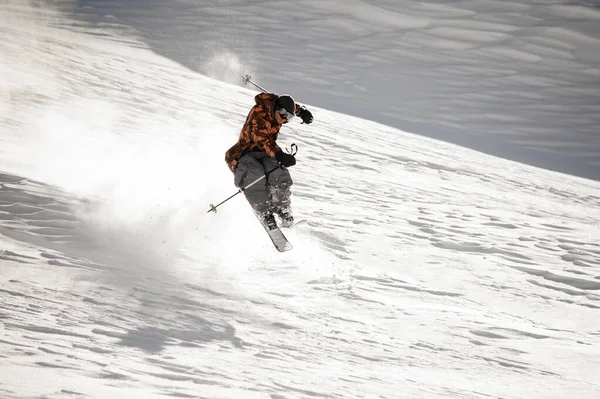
pixel 260 130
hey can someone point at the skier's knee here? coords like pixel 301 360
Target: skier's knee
pixel 281 180
pixel 246 176
pixel 239 177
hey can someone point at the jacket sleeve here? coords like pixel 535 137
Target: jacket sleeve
pixel 265 99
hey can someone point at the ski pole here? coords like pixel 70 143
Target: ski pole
pixel 247 79
pixel 293 150
pixel 213 208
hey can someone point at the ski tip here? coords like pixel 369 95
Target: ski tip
pixel 298 223
pixel 285 249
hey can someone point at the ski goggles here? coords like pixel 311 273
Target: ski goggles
pixel 287 115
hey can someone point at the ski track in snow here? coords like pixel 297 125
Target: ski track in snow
pixel 425 269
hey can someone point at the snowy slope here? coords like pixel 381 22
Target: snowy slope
pixel 425 270
pixel 517 79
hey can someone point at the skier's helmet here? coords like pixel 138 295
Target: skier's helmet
pixel 286 106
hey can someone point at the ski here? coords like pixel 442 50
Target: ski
pixel 279 240
pixel 277 237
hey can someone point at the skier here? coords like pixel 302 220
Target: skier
pixel 257 152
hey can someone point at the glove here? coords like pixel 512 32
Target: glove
pixel 285 159
pixel 305 115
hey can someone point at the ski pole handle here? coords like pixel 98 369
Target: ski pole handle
pixel 247 79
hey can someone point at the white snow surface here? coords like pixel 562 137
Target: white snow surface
pixel 518 79
pixel 425 270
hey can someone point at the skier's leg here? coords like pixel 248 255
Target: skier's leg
pixel 279 184
pixel 249 169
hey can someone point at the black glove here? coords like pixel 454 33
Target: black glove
pixel 285 159
pixel 305 115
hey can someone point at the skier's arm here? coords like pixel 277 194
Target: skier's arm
pixel 264 99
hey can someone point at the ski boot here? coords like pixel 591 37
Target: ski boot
pixel 268 220
pixel 287 219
